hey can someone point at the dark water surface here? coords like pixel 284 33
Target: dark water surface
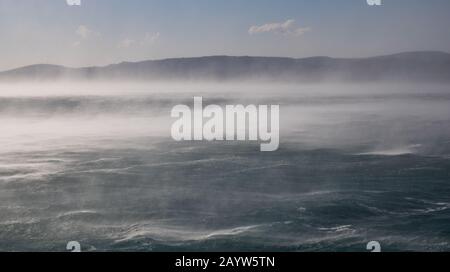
pixel 102 170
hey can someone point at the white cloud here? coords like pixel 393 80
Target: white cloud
pixel 285 28
pixel 151 38
pixel 84 32
pixel 148 40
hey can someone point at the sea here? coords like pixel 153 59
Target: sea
pixel 96 164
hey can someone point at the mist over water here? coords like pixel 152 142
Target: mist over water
pixel 95 163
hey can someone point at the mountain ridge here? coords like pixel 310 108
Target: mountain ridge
pixel 405 66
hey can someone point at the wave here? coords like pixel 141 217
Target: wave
pixel 80 214
pixel 176 234
pixel 48 106
pixel 396 151
pixel 342 228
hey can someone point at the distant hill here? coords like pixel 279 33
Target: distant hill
pixel 411 66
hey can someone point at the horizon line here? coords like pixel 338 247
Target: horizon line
pixel 212 56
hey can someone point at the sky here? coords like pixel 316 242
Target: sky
pixel 101 32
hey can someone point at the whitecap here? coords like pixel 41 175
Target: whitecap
pixel 396 151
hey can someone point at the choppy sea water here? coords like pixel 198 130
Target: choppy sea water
pixel 353 167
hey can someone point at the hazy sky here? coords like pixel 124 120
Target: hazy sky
pixel 101 32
